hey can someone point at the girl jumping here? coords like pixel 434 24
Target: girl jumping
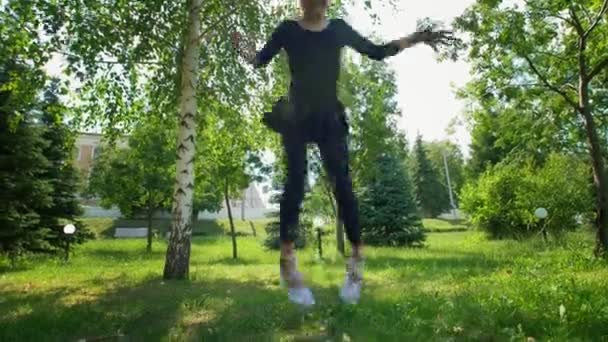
pixel 312 113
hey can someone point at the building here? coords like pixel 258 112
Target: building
pixel 89 145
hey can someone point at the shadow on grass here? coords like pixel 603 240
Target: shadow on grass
pixel 228 261
pixel 150 310
pixel 231 310
pixel 124 255
pixel 430 268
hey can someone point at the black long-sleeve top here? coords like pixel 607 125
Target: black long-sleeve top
pixel 314 58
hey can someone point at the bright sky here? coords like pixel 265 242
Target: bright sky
pixel 426 87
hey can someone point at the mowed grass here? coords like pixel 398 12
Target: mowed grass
pixel 459 287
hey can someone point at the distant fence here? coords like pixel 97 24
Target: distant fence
pixel 250 214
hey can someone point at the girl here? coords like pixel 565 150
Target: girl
pixel 312 113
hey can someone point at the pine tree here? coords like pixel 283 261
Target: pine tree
pixel 431 195
pixel 22 164
pixel 387 207
pixel 61 173
pixel 38 184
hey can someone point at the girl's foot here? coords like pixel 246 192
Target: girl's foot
pixel 296 291
pixel 351 290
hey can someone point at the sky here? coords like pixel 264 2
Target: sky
pixel 426 87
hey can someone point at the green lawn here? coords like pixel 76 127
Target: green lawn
pixel 459 287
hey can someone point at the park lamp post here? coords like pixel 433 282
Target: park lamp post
pixel 68 231
pixel 541 214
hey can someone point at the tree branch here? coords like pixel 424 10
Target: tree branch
pixel 577 23
pixel 213 25
pixel 564 19
pixel 598 68
pixel 544 80
pixel 103 61
pixel 597 19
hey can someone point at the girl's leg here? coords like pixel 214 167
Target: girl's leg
pixel 293 194
pixel 334 152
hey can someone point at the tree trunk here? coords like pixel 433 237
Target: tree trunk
pixel 599 180
pixel 177 262
pixel 339 225
pixel 243 205
pixel 232 230
pixel 340 235
pixel 150 214
pixel 253 229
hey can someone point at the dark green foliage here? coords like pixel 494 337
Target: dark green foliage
pixel 502 202
pixel 387 207
pixel 432 195
pixel 38 183
pixel 272 240
pixel 62 175
pixel 137 179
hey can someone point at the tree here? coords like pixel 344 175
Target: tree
pixel 61 174
pixel 388 209
pixel 431 194
pixel 37 181
pixel 560 52
pixel 230 143
pixel 23 189
pixel 137 178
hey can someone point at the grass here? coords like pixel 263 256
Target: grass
pixel 460 287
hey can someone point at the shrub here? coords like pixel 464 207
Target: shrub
pixel 503 200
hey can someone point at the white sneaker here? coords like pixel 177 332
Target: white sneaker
pixel 351 290
pixel 290 277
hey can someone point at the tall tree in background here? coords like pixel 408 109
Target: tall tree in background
pixel 138 178
pixel 37 180
pixel 61 173
pixel 23 189
pixel 231 144
pixel 556 49
pixel 378 150
pixel 388 208
pixel 432 196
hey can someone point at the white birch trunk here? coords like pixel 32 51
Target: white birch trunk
pixel 178 252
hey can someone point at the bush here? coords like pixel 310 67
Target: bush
pixel 272 240
pixel 502 202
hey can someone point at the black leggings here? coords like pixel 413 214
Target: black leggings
pixel 328 129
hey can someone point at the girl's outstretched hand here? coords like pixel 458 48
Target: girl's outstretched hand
pixel 435 38
pixel 242 46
